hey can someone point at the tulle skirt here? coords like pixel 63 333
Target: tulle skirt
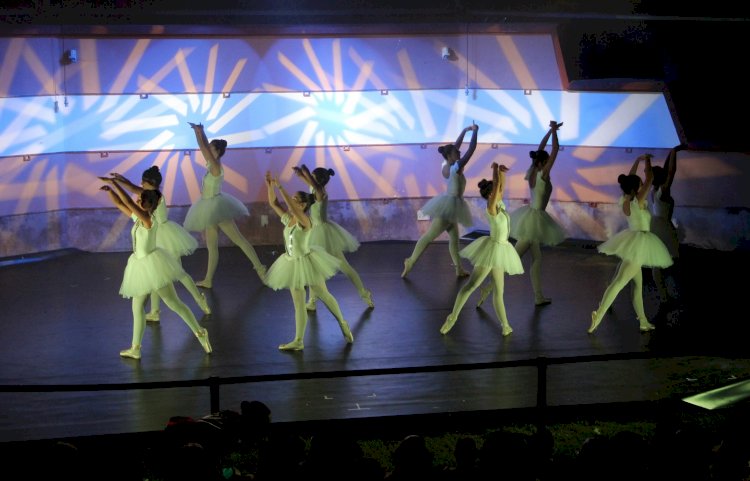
pixel 333 238
pixel 147 274
pixel 486 252
pixel 663 228
pixel 535 225
pixel 289 272
pixel 207 212
pixel 639 247
pixel 449 207
pixel 173 238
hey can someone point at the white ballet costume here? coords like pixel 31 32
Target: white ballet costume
pixel 493 254
pixel 337 241
pixel 151 268
pixel 300 266
pixel 636 247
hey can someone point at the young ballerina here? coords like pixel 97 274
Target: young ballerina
pixel 172 237
pixel 531 225
pixel 662 209
pixel 449 209
pixel 328 234
pixel 216 210
pixel 492 254
pixel 149 267
pixel 301 265
pixel 636 246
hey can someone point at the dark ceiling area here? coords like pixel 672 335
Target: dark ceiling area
pixel 696 50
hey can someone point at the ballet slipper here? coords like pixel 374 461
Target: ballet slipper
pixel 507 330
pixel 484 293
pixel 295 345
pixel 645 326
pixel 133 353
pixel 542 301
pixel 206 284
pixel 202 336
pixel 153 316
pixel 262 271
pixel 203 304
pixel 310 306
pixel 346 332
pixel 594 322
pixel 408 264
pixel 367 297
pixel 448 324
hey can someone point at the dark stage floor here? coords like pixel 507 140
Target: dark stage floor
pixel 64 322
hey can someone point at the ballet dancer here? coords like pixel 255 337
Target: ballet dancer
pixel 217 210
pixel 636 246
pixel 492 254
pixel 531 226
pixel 149 267
pixel 662 209
pixel 172 237
pixel 301 265
pixel 328 234
pixel 449 209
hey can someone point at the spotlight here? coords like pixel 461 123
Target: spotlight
pixel 494 146
pixel 346 148
pixel 144 96
pixel 384 92
pixel 306 93
pixel 26 158
pixel 269 150
pixel 226 95
pixel 187 153
pixel 527 91
pixel 103 155
pixel 446 53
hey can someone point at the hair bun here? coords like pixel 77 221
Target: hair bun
pixel 532 154
pixel 331 172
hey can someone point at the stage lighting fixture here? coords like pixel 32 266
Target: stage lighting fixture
pixel 144 96
pixel 103 155
pixel 306 93
pixel 527 91
pixel 226 95
pixel 384 92
pixel 423 146
pixel 722 397
pixel 494 146
pixel 26 158
pixel 269 150
pixel 187 153
pixel 446 52
pixel 346 148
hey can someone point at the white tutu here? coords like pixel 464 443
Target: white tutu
pixel 535 225
pixel 333 238
pixel 449 207
pixel 640 247
pixel 486 252
pixel 149 273
pixel 213 210
pixel 314 268
pixel 173 238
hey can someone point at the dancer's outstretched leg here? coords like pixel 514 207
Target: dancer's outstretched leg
pixel 199 297
pixel 625 272
pixel 137 304
pixel 353 276
pixel 300 322
pixel 322 293
pixel 475 279
pixel 233 232
pixel 436 228
pixel 169 294
pixel 212 246
pixel 498 303
pixel 453 249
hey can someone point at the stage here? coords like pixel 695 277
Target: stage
pixel 65 323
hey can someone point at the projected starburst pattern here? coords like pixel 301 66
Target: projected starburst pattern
pixel 302 93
